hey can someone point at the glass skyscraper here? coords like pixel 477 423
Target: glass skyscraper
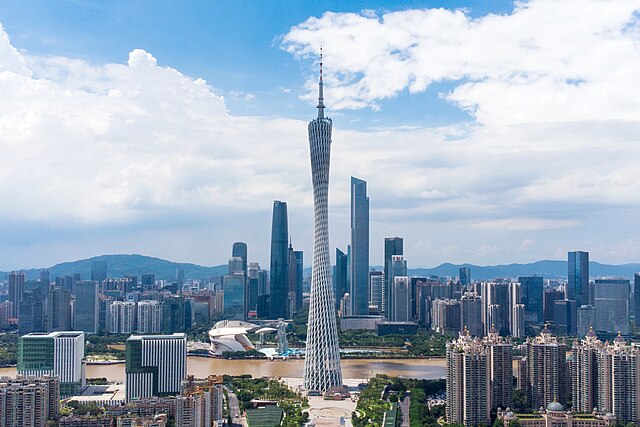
pixel 86 309
pixel 578 284
pixel 359 247
pixel 392 246
pixel 340 276
pixel 279 283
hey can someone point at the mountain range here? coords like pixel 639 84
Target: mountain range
pixel 124 264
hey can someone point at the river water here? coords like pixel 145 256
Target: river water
pixel 201 367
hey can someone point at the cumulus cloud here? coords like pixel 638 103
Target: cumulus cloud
pixel 546 61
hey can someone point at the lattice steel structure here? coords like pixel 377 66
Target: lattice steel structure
pixel 322 361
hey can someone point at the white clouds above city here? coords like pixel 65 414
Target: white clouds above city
pixel 154 160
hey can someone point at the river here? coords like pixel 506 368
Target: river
pixel 201 367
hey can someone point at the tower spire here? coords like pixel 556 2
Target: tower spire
pixel 320 91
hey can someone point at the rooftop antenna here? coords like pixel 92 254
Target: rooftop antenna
pixel 320 91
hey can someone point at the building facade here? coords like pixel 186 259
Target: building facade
pixel 359 247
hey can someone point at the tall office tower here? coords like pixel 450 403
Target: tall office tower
pixel 340 275
pixel 148 282
pixel 359 247
pixel 32 310
pixel 85 309
pixel 279 280
pixel 578 285
pixel 257 288
pixel 155 365
pixel 618 380
pixel 322 368
pixel 57 354
pixel 445 316
pixel 45 277
pixel 397 268
pixel 179 276
pixel 471 314
pixel 233 287
pixel 550 296
pixel 531 291
pixel 239 250
pixel 98 271
pixel 496 299
pixel 468 384
pixel 546 370
pixel 173 315
pixel 465 276
pixel 376 284
pixel 517 321
pixel 16 287
pixel 584 375
pixel 500 369
pixel 149 317
pixel 29 401
pixel 636 296
pixel 392 246
pixel 401 299
pixel 122 319
pixel 59 310
pixel 612 305
pixel 296 274
pixel 423 303
pixel 586 320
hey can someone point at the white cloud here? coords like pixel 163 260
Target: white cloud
pixel 546 61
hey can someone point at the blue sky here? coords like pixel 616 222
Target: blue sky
pixel 489 132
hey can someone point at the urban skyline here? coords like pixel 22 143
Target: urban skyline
pixel 446 158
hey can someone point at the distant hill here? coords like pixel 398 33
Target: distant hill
pixel 123 264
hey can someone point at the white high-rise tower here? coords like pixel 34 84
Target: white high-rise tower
pixel 322 361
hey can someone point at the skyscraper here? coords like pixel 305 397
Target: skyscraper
pixel 296 275
pixel 149 317
pixel 471 314
pixel 465 276
pixel 279 283
pixel 546 370
pixel 86 310
pixel 99 271
pixel 239 250
pixel 584 377
pixel 531 296
pixel 340 275
pixel 155 365
pixel 59 310
pixel 359 247
pixel 57 354
pixel 16 287
pixel 612 305
pixel 578 285
pixel 375 289
pixel 401 299
pixel 392 246
pixel 397 268
pixel 322 368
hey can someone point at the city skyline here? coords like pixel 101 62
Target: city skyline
pixel 480 161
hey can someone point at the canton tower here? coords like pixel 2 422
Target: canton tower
pixel 322 360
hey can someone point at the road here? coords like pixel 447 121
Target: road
pixel 234 409
pixel 404 409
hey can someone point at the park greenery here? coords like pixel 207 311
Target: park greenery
pixel 292 403
pixel 381 391
pixel 8 349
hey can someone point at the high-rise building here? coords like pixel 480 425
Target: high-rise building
pixel 340 275
pixel 496 298
pixel 85 309
pixel 155 365
pixel 500 369
pixel 359 247
pixel 29 401
pixel 279 273
pixel 57 354
pixel 397 268
pixel 322 368
pixel 531 292
pixel 445 316
pixel 550 296
pixel 465 276
pixel 584 375
pixel 233 287
pixel 16 287
pixel 257 288
pixel 392 246
pixel 59 310
pixel 586 316
pixel 636 296
pixel 296 275
pixel 149 317
pixel 401 299
pixel 32 309
pixel 578 285
pixel 468 382
pixel 98 271
pixel 376 283
pixel 471 314
pixel 546 370
pixel 612 306
pixel 122 319
pixel 173 315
